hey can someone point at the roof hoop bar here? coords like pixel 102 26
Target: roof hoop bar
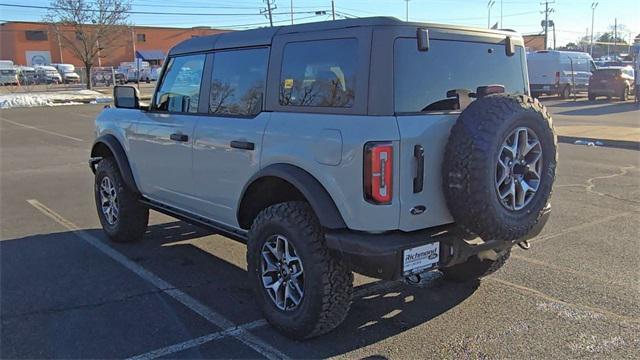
pixel 423 39
pixel 509 46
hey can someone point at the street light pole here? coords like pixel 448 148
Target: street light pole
pixel 489 6
pixel 407 10
pixel 594 5
pixel 333 9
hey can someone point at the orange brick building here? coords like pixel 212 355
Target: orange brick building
pixel 32 43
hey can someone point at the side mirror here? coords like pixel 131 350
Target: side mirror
pixel 126 97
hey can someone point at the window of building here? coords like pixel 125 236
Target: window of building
pixel 238 82
pixel 319 73
pixel 180 87
pixel 423 79
pixel 36 35
pixel 141 37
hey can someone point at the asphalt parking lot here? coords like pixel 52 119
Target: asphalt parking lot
pixel 66 292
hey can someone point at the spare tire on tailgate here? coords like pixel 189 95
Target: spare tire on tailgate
pixel 499 166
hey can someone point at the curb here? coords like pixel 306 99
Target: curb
pixel 620 144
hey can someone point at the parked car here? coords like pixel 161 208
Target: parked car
pixel 366 145
pixel 47 75
pixel 121 78
pixel 67 72
pixel 26 75
pixel 612 81
pixel 8 74
pixel 559 72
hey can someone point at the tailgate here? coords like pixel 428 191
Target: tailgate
pixel 431 133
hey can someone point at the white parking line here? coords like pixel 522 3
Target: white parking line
pixel 196 306
pixel 42 130
pixel 234 331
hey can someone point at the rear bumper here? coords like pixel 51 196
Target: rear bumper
pixel 381 255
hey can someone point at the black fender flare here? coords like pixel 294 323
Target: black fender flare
pixel 120 156
pixel 317 196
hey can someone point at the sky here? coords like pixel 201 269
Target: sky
pixel 572 17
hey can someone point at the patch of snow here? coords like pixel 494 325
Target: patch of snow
pixel 14 100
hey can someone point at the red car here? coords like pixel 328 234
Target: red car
pixel 612 81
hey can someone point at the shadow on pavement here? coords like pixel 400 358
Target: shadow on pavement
pixel 603 107
pixel 61 298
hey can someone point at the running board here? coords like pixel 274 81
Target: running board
pixel 240 235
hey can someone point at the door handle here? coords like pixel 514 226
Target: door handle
pixel 244 145
pixel 179 137
pixel 418 181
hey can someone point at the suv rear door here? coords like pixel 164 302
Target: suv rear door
pixel 228 141
pixel 425 113
pixel 161 144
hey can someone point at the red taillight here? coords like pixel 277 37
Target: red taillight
pixel 557 77
pixel 378 172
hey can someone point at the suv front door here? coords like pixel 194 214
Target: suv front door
pixel 228 142
pixel 161 145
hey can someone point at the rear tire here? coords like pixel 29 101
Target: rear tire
pixel 625 94
pixel 327 283
pixel 475 268
pixel 127 219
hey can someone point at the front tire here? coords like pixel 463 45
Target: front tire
pixel 321 284
pixel 122 216
pixel 474 268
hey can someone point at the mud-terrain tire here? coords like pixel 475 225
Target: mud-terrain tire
pixel 475 268
pixel 132 217
pixel 327 281
pixel 470 166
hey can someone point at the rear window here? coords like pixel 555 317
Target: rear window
pixel 422 79
pixel 319 73
pixel 606 72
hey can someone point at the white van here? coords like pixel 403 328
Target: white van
pixel 559 72
pixel 8 74
pixel 67 72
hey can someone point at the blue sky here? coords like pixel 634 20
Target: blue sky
pixel 572 17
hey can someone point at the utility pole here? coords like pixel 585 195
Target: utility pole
pixel 269 9
pixel 489 6
pixel 333 9
pixel 291 8
pixel 546 22
pixel 594 5
pixel 407 10
pixel 615 35
pixel 501 23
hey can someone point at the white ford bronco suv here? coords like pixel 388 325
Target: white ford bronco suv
pixel 372 145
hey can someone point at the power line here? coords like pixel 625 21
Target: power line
pixel 146 12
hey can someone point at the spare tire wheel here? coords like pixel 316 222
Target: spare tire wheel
pixel 499 166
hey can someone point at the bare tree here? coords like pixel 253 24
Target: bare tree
pixel 89 27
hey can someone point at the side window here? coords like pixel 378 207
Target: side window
pixel 238 82
pixel 180 88
pixel 319 73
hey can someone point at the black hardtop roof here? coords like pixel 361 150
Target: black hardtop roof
pixel 264 36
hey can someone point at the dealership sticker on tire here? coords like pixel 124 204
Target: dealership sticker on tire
pixel 420 258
